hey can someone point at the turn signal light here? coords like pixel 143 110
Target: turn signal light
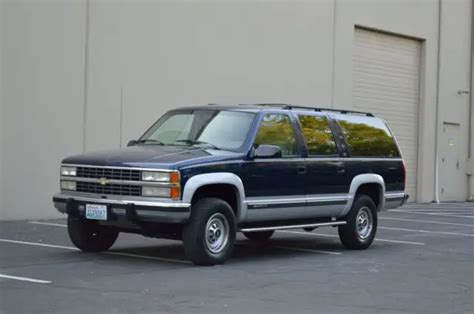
pixel 175 192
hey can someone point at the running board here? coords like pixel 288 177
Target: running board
pixel 321 224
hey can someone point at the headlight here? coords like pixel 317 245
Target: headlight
pixel 68 171
pixel 156 176
pixel 68 185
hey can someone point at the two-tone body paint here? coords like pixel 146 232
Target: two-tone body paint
pixel 297 187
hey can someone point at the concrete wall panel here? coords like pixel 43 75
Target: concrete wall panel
pixel 43 94
pixel 153 56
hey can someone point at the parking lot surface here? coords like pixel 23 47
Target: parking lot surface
pixel 421 262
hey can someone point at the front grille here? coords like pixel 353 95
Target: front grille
pixel 109 173
pixel 109 189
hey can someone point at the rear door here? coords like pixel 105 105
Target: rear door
pixel 325 176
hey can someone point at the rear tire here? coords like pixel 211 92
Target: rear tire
pixel 209 235
pixel 359 231
pixel 89 236
pixel 259 236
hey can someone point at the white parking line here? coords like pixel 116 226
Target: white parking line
pixel 40 244
pixel 149 257
pixel 427 221
pixel 47 224
pixel 428 231
pixel 335 236
pixel 430 214
pixel 24 279
pixel 290 248
pixel 306 250
pixel 164 259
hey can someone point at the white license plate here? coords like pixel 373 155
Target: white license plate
pixel 96 212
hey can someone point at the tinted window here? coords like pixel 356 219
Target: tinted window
pixel 318 136
pixel 368 137
pixel 276 129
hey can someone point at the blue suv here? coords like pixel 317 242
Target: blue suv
pixel 201 174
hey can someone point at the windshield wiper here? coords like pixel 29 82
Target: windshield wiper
pixel 149 140
pixel 191 142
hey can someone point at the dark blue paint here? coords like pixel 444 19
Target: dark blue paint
pixel 260 178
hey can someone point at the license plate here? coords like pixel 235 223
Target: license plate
pixel 96 212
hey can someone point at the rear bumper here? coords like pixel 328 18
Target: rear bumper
pixel 395 199
pixel 132 210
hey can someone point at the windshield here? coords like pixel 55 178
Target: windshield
pixel 217 129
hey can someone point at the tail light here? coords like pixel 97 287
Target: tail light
pixel 404 174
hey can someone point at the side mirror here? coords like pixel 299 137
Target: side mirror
pixel 267 151
pixel 131 142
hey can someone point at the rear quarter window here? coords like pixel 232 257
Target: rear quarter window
pixel 368 137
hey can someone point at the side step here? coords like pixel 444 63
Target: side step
pixel 300 226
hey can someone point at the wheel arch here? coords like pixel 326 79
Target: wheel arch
pixel 201 182
pixel 364 181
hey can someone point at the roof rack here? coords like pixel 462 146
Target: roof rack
pixel 342 111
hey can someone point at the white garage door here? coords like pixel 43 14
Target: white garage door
pixel 386 82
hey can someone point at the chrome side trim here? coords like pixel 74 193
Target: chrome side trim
pixel 296 199
pixel 200 180
pixel 120 168
pixel 322 224
pixel 171 204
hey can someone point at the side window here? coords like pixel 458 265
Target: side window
pixel 368 137
pixel 276 129
pixel 318 135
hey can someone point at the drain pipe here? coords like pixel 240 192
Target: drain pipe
pixel 470 134
pixel 436 164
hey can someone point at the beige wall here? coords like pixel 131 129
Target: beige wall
pixel 43 46
pixel 455 54
pixel 144 57
pixel 167 54
pixel 1 108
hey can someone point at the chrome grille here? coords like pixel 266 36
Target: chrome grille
pixel 109 189
pixel 109 173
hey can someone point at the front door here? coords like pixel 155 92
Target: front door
pixel 274 187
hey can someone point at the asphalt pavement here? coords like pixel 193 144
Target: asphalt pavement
pixel 421 262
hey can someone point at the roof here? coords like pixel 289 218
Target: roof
pixel 263 106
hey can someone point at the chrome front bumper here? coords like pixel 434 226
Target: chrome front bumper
pixel 132 209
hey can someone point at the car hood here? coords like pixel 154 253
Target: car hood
pixel 151 156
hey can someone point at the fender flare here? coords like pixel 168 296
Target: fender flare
pixel 200 180
pixel 359 180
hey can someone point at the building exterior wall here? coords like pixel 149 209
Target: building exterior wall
pixel 43 47
pixel 95 74
pixel 1 110
pixel 453 91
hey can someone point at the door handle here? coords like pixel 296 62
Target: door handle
pixel 301 169
pixel 341 170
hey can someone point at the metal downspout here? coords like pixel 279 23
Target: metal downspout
pixel 436 166
pixel 470 134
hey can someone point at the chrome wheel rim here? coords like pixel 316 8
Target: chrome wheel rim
pixel 364 223
pixel 217 233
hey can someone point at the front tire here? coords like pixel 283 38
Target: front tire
pixel 89 236
pixel 209 235
pixel 359 231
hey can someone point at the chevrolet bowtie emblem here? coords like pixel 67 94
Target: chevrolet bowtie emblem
pixel 103 181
